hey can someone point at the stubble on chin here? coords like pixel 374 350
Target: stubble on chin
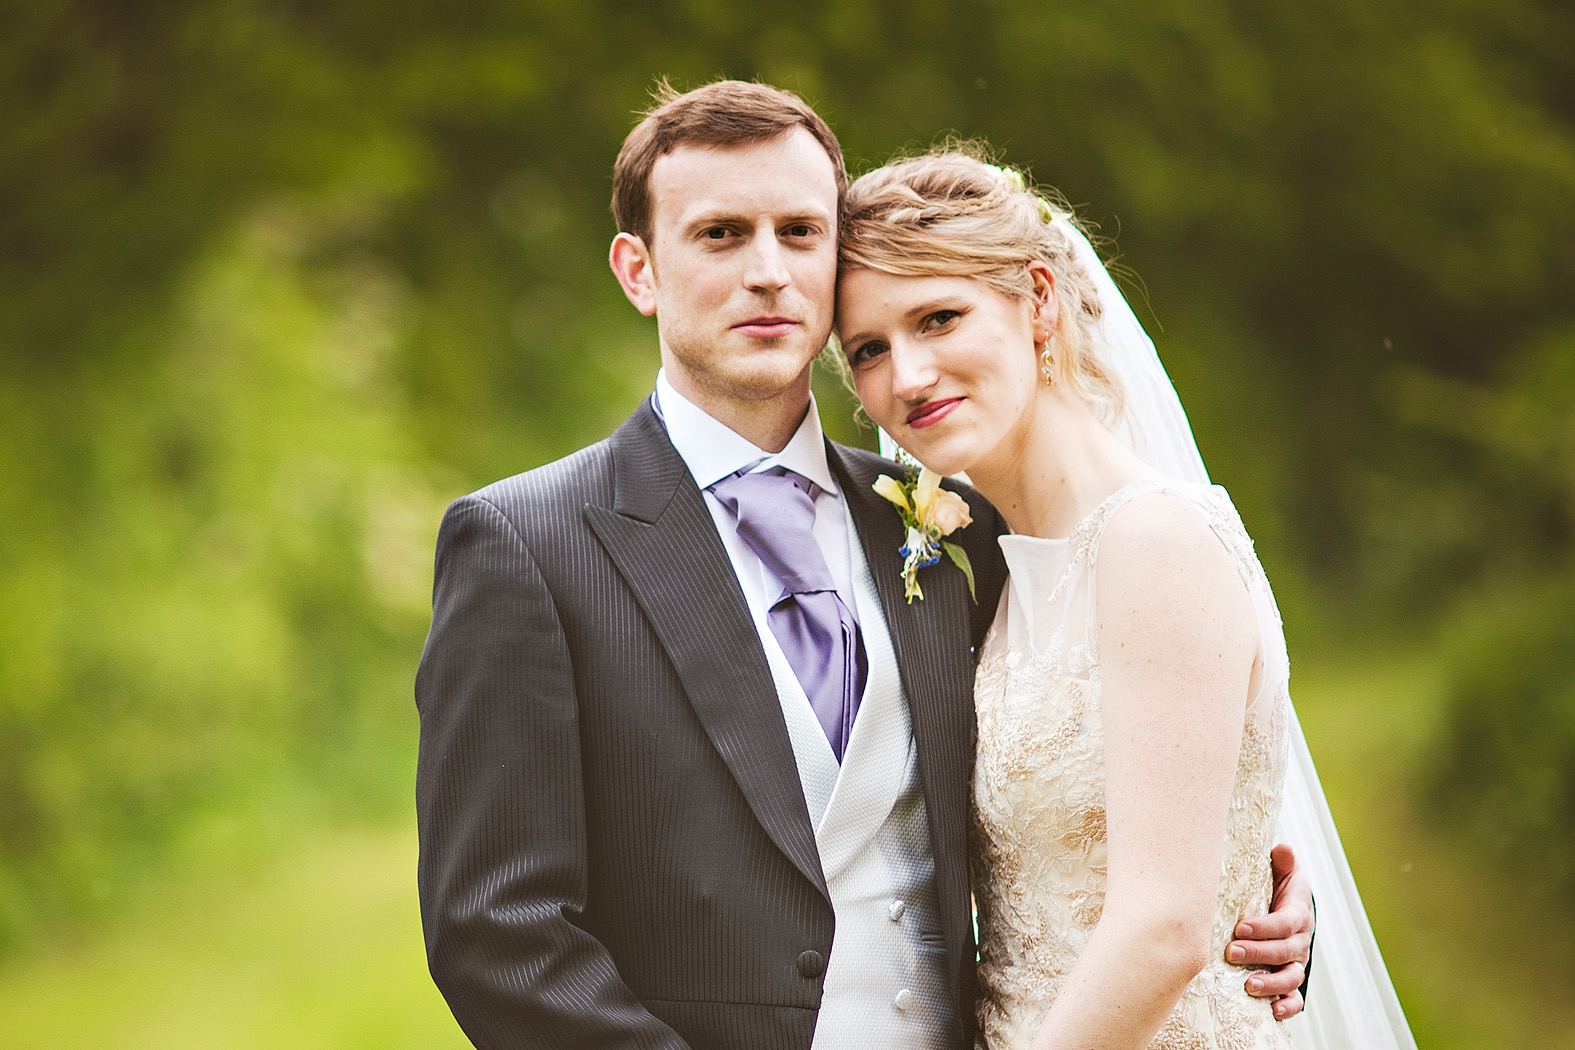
pixel 745 371
pixel 768 377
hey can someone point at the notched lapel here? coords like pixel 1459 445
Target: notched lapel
pixel 664 543
pixel 930 638
pixel 931 634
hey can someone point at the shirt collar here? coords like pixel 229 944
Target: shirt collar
pixel 712 450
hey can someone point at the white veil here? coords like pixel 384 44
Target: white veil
pixel 1351 1003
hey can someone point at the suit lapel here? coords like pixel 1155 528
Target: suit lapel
pixel 931 639
pixel 664 543
pixel 930 636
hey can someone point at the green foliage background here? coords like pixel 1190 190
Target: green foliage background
pixel 279 279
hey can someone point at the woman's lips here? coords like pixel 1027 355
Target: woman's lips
pixel 932 412
pixel 767 327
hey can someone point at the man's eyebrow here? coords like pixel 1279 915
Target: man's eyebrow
pixel 809 215
pixel 707 219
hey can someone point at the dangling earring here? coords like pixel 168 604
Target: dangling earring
pixel 1047 365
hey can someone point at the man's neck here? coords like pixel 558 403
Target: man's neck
pixel 768 424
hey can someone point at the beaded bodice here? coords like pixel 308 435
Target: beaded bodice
pixel 1039 790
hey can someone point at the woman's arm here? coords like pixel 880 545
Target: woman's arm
pixel 1178 640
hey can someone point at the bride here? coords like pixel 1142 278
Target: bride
pixel 1136 739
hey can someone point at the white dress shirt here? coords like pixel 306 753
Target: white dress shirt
pixel 711 450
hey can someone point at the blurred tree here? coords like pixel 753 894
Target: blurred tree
pixel 1504 768
pixel 277 279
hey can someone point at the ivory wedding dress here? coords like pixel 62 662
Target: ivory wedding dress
pixel 1352 1003
pixel 1039 789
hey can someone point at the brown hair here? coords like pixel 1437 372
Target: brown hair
pixel 951 213
pixel 723 113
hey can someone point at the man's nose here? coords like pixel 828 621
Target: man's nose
pixel 766 269
pixel 913 371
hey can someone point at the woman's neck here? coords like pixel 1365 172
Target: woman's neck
pixel 1055 468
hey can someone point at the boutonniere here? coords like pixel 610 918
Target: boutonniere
pixel 929 512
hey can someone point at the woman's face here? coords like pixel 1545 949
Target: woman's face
pixel 946 365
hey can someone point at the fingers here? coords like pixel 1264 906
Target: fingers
pixel 1282 939
pixel 1292 949
pixel 1291 910
pixel 1290 1006
pixel 1271 984
pixel 1289 921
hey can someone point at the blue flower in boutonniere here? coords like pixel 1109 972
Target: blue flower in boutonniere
pixel 929 512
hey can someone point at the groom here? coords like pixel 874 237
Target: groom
pixel 692 773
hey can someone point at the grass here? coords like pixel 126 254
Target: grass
pixel 319 947
pixel 1468 947
pixel 317 943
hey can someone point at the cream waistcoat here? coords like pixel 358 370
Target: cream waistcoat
pixel 886 978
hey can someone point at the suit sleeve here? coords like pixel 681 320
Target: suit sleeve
pixel 500 808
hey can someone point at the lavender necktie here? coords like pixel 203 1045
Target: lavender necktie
pixel 775 509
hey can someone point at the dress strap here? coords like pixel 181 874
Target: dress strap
pixel 1091 530
pixel 1218 512
pixel 1221 516
pixel 1084 539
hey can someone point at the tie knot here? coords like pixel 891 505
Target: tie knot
pixel 775 510
pixel 772 477
pixel 819 635
pixel 776 488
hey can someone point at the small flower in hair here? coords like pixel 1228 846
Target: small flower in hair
pixel 1011 175
pixel 1015 177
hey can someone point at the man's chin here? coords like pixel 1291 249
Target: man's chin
pixel 770 387
pixel 769 370
pixel 747 371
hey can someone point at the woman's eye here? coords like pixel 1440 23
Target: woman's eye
pixel 801 229
pixel 867 352
pixel 940 319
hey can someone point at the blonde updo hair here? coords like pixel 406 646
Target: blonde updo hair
pixel 951 213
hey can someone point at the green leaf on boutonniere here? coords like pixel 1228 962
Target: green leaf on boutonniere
pixel 959 558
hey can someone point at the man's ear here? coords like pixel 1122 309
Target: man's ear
pixel 631 263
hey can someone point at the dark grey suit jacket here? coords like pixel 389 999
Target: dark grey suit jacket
pixel 615 848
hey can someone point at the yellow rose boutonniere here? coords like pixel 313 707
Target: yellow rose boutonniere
pixel 929 512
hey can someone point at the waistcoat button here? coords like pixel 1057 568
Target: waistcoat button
pixel 896 910
pixel 903 1000
pixel 810 964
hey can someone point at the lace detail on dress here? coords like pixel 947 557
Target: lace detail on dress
pixel 1039 834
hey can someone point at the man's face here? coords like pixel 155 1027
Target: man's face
pixel 745 266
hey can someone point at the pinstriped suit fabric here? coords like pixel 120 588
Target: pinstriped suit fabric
pixel 615 849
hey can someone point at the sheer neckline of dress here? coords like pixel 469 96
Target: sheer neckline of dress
pixel 1105 506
